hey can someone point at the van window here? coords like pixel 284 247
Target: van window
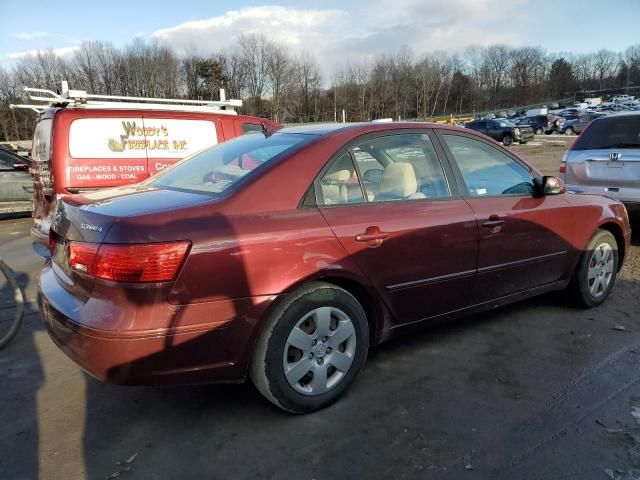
pixel 41 151
pixel 139 138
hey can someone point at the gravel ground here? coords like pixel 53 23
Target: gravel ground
pixel 535 390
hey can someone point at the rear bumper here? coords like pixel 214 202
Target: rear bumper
pixel 628 195
pixel 182 352
pixel 524 136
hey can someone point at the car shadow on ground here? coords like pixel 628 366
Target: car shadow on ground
pixel 21 377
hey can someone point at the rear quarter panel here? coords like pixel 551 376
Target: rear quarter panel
pixel 592 212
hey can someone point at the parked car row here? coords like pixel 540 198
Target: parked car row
pixel 569 120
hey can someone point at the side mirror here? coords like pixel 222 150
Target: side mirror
pixel 552 186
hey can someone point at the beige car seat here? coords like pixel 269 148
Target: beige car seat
pixel 398 183
pixel 334 187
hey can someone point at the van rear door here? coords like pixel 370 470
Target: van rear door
pixel 172 138
pixel 106 151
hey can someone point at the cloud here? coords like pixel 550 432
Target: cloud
pixel 62 52
pixel 296 27
pixel 28 35
pixel 362 29
pixel 140 34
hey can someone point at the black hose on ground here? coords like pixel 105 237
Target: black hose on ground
pixel 18 297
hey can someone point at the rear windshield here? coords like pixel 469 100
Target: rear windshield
pixel 612 132
pixel 218 168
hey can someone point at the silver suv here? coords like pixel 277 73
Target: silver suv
pixel 605 159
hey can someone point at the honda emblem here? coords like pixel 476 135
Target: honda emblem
pixel 615 156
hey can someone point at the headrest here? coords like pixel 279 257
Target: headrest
pixel 339 176
pixel 398 180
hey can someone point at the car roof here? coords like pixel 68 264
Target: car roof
pixel 323 129
pixel 631 113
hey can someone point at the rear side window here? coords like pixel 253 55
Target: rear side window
pixel 486 170
pixel 219 168
pixel 612 132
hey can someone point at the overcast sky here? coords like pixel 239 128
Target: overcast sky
pixel 334 31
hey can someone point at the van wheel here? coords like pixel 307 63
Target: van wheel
pixel 596 271
pixel 569 131
pixel 313 346
pixel 539 131
pixel 507 140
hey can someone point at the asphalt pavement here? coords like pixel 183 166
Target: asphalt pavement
pixel 536 390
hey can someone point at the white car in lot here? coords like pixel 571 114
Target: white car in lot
pixel 605 159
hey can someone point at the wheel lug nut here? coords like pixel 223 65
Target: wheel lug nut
pixel 328 349
pixel 324 339
pixel 320 361
pixel 310 355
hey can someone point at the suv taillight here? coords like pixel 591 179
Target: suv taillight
pixel 563 163
pixel 146 262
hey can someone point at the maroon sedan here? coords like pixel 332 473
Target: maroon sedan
pixel 285 256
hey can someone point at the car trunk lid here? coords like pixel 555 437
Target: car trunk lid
pixel 611 168
pixel 88 218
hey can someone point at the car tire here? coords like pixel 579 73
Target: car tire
pixel 507 140
pixel 569 131
pixel 286 373
pixel 539 131
pixel 596 271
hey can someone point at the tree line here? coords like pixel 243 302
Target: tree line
pixel 275 82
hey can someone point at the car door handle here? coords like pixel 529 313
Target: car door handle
pixel 373 236
pixel 494 221
pixel 367 237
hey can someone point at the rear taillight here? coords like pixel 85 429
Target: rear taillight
pixel 147 262
pixel 82 257
pixel 563 164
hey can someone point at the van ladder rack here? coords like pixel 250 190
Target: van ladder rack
pixel 80 98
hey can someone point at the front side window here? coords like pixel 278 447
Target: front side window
pixel 486 170
pixel 219 168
